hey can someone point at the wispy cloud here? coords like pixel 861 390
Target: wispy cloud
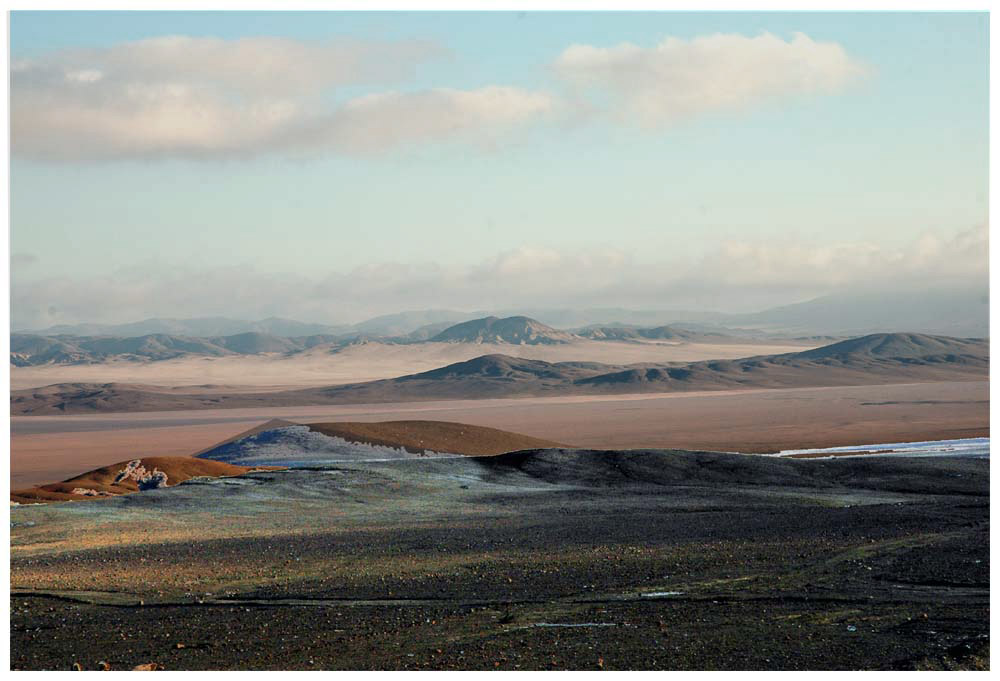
pixel 734 276
pixel 680 79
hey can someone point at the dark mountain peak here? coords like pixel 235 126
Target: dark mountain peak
pixel 517 330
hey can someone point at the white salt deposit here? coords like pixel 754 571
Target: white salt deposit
pixel 973 447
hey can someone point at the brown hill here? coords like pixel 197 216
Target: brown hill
pixel 435 436
pixel 111 481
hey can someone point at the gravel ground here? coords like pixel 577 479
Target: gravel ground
pixel 540 560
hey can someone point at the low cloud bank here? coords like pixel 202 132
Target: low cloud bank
pixel 737 276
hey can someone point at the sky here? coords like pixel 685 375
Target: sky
pixel 333 166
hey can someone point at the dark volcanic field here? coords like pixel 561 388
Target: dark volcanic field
pixel 552 559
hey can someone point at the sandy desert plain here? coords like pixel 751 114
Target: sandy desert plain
pixel 580 522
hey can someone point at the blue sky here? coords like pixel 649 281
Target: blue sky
pixel 872 168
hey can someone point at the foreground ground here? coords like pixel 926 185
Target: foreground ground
pixel 49 448
pixel 538 560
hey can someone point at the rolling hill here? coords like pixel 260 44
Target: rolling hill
pixel 36 350
pixel 901 346
pixel 874 359
pixel 32 350
pixel 883 358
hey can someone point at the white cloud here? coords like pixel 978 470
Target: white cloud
pixel 679 79
pixel 207 98
pixel 381 121
pixel 250 66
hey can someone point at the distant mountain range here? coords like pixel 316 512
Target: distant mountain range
pixel 35 350
pixel 38 349
pixel 872 359
pixel 954 313
pixel 29 350
pixel 946 312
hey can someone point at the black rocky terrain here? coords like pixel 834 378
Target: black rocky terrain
pixel 544 559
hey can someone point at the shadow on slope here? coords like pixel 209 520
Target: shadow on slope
pixel 319 444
